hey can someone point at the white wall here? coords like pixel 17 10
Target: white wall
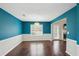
pixel 30 37
pixel 71 47
pixel 77 50
pixel 8 44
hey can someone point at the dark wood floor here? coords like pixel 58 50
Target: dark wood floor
pixel 41 48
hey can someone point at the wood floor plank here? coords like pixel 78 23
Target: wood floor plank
pixel 40 48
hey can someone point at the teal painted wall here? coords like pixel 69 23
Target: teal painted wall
pixel 46 27
pixel 9 25
pixel 71 22
pixel 77 24
pixel 27 27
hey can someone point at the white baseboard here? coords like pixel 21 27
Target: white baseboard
pixel 71 48
pixel 77 50
pixel 29 37
pixel 7 45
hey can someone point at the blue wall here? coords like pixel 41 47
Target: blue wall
pixel 27 27
pixel 9 25
pixel 46 27
pixel 71 22
pixel 77 24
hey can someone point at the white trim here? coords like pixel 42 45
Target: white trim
pixel 52 29
pixel 60 20
pixel 77 50
pixel 71 48
pixel 30 37
pixel 7 45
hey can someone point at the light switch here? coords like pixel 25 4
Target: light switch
pixel 68 32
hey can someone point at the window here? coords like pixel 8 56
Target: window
pixel 36 29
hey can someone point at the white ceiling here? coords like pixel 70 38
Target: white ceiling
pixel 37 11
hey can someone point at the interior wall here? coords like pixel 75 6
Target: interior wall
pixel 77 24
pixel 9 25
pixel 10 30
pixel 27 27
pixel 72 28
pixel 71 23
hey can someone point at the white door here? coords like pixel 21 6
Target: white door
pixel 56 32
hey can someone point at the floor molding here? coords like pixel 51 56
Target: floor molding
pixel 9 44
pixel 71 47
pixel 77 50
pixel 36 37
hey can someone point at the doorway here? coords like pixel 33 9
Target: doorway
pixel 60 29
pixel 59 33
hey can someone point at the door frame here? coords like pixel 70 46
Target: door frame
pixel 64 19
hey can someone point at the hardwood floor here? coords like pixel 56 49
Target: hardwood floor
pixel 40 48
